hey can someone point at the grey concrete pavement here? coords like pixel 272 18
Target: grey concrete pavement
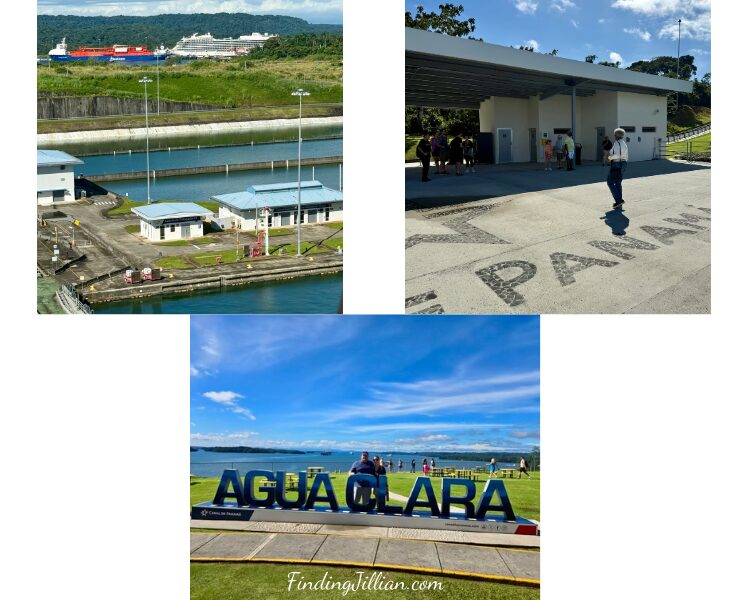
pixel 504 564
pixel 522 240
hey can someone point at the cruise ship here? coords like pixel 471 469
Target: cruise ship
pixel 207 46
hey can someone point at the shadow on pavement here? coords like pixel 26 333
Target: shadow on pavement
pixel 495 181
pixel 616 221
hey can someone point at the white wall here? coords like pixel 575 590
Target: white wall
pixel 246 218
pixel 599 110
pixel 641 110
pixel 555 113
pixel 151 230
pixel 511 113
pixel 55 177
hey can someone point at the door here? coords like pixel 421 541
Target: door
pixel 312 216
pixel 504 143
pixel 161 232
pixel 58 195
pixel 532 145
pixel 599 141
pixel 286 219
pixel 185 233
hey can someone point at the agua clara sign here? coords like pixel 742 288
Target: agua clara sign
pixel 262 497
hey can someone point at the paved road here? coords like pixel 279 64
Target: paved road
pixel 522 240
pixel 498 564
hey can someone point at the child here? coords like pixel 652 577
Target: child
pixel 548 155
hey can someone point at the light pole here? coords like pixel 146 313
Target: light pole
pixel 158 108
pixel 300 92
pixel 145 81
pixel 679 31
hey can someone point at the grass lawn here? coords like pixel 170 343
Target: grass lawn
pixel 335 225
pixel 210 581
pixel 411 146
pixel 276 231
pixel 124 208
pixel 523 493
pixel 132 228
pixel 308 248
pixel 209 258
pixel 701 140
pixel 172 262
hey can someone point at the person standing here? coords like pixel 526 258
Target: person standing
pixel 423 154
pixel 362 490
pixel 493 468
pixel 522 468
pixel 547 155
pixel 570 147
pixel 618 162
pixel 606 147
pixel 435 150
pixel 400 465
pixel 469 154
pixel 457 153
pixel 413 465
pixel 380 472
pixel 432 463
pixel 425 467
pixel 560 152
pixel 442 146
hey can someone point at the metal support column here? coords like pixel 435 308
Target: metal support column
pixel 573 113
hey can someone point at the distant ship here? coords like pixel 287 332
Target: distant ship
pixel 325 453
pixel 116 53
pixel 207 46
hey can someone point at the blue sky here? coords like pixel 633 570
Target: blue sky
pixel 314 11
pixel 625 30
pixel 387 383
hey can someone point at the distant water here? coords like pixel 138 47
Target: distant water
pixel 196 188
pixel 212 464
pixel 318 294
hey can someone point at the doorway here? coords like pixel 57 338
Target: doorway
pixel 504 145
pixel 532 145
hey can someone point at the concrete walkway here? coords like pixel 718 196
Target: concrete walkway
pixel 518 239
pixel 439 558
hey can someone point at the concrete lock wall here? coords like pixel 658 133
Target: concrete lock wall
pixel 642 110
pixel 599 110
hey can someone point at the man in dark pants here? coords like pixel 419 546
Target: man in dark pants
pixel 618 162
pixel 424 150
pixel 362 490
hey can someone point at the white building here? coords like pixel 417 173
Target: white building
pixel 165 221
pixel 55 177
pixel 248 209
pixel 523 97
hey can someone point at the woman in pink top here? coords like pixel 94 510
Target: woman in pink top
pixel 425 467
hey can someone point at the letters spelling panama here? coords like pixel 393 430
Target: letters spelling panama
pixel 271 491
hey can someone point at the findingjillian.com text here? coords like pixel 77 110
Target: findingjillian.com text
pixel 359 582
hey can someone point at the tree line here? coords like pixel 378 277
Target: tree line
pixel 163 29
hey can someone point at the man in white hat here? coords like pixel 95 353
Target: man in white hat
pixel 618 162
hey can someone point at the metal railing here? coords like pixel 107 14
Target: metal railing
pixel 689 133
pixel 71 301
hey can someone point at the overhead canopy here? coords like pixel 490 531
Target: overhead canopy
pixel 449 72
pixel 51 158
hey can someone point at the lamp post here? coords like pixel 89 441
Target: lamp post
pixel 158 108
pixel 300 92
pixel 145 81
pixel 679 31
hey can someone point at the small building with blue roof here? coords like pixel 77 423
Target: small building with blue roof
pixel 165 221
pixel 275 205
pixel 55 178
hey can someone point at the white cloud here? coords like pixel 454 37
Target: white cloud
pixel 644 35
pixel 602 21
pixel 660 8
pixel 697 52
pixel 697 28
pixel 239 438
pixel 527 6
pixel 562 5
pixel 229 400
pixel 146 7
pixel 616 58
pixel 574 23
pixel 532 44
pixel 424 439
pixel 522 435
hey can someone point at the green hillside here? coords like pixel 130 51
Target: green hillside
pixel 162 29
